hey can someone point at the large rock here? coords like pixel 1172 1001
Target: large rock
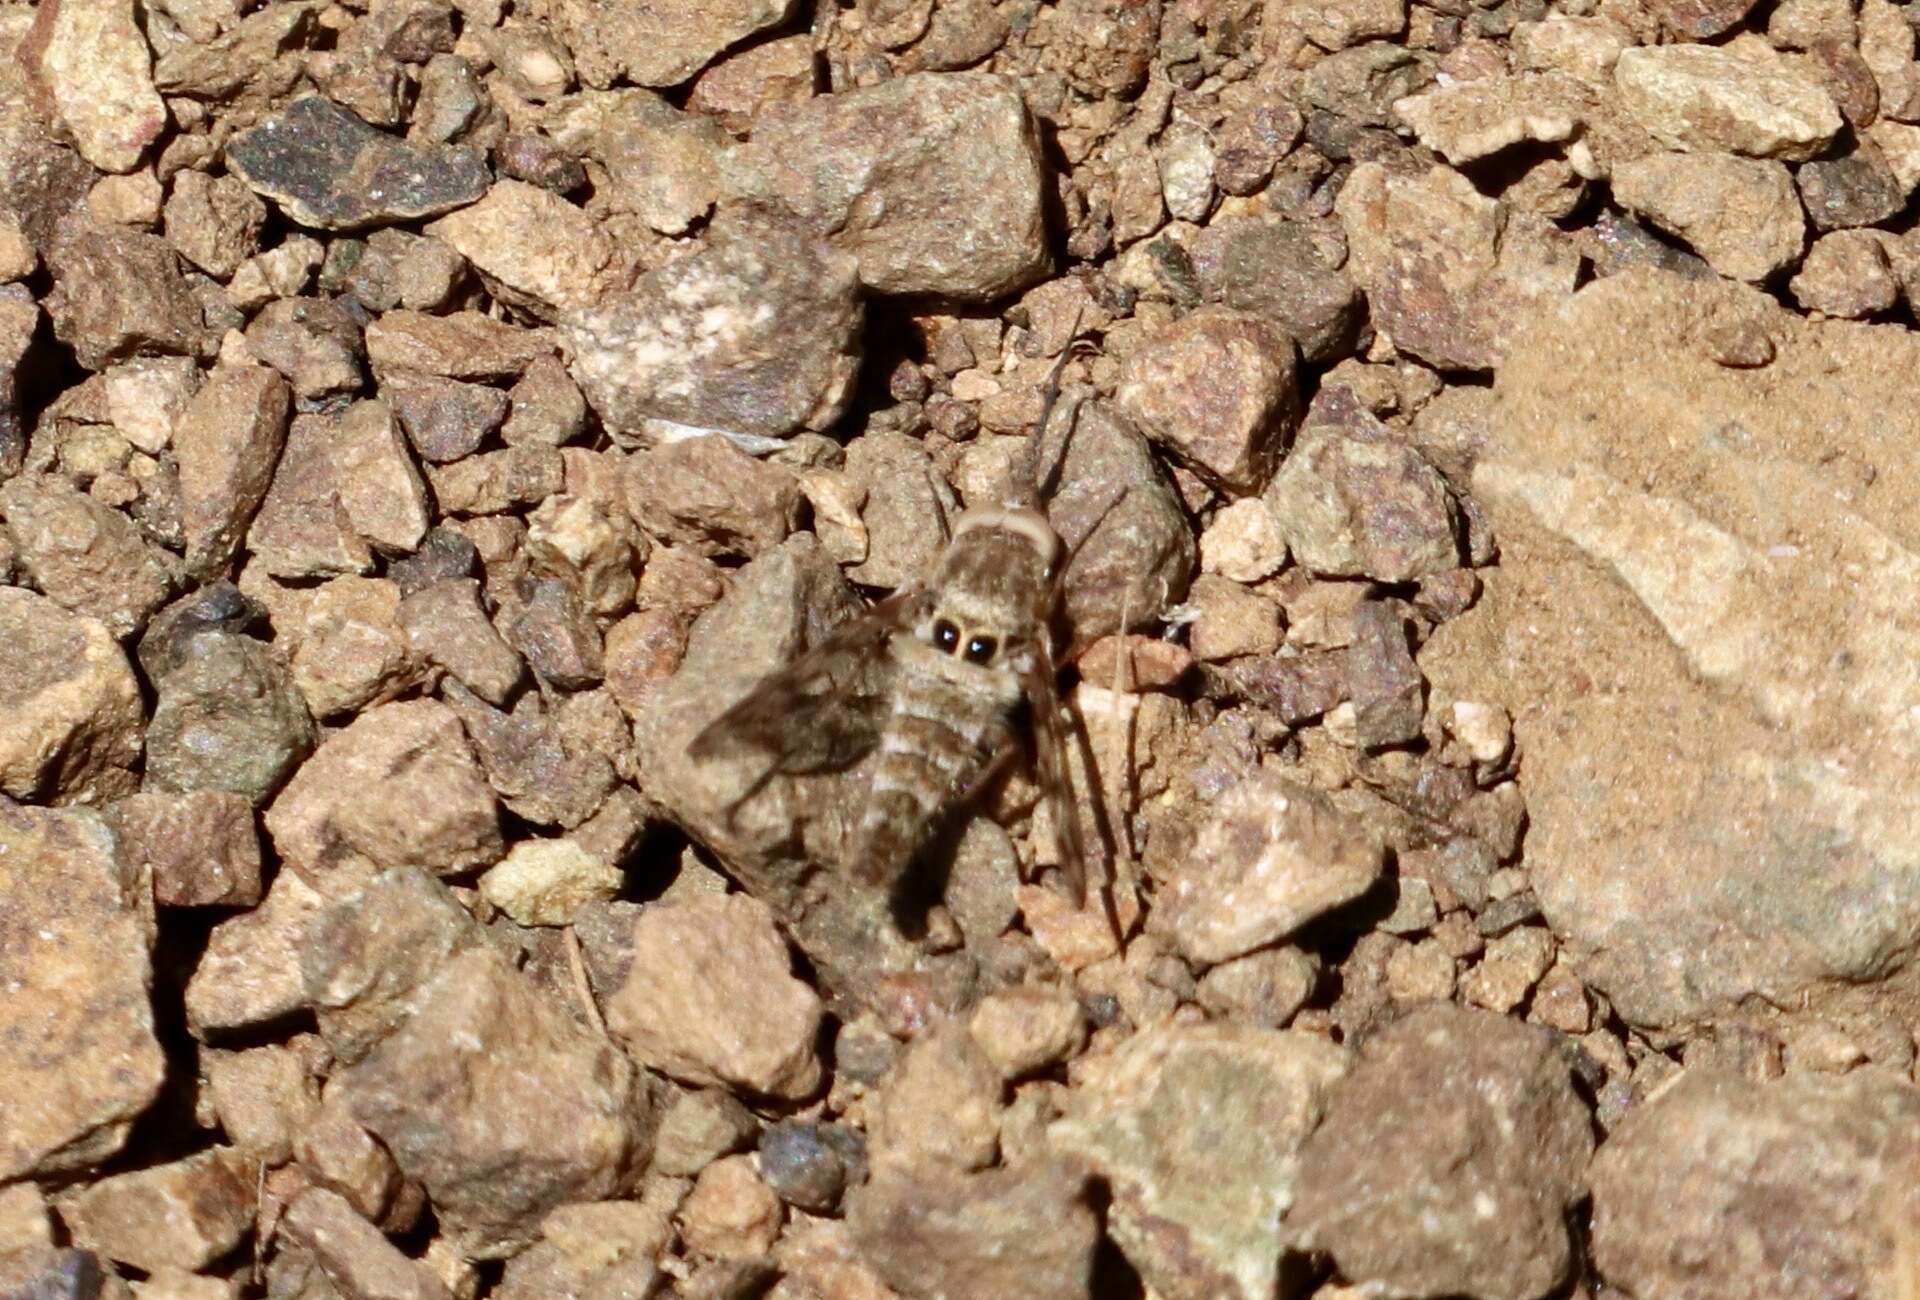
pixel 936 1234
pixel 1739 98
pixel 1726 1189
pixel 1741 214
pixel 1267 857
pixel 228 441
pixel 933 182
pixel 1451 1156
pixel 501 1105
pixel 756 333
pixel 85 555
pixel 117 293
pixel 1197 1131
pixel 710 998
pixel 70 708
pixel 1702 625
pixel 397 787
pixel 1451 275
pixel 228 717
pixel 1218 389
pixel 77 1044
pixel 180 1215
pixel 90 65
pixel 328 169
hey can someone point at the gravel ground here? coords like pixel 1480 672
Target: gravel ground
pixel 1486 451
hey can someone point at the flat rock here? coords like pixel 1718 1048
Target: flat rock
pixel 355 1256
pixel 398 786
pixel 1699 627
pixel 352 649
pixel 70 708
pixel 756 333
pixel 88 61
pixel 459 345
pixel 180 1215
pixel 1450 275
pixel 1738 98
pixel 118 293
pixel 302 529
pixel 76 1029
pixel 380 487
pixel 708 495
pixel 932 182
pixel 536 250
pixel 227 442
pixel 1266 857
pixel 329 170
pixel 1697 1193
pixel 1463 121
pixel 1741 214
pixel 711 998
pixel 501 1105
pixel 1197 1130
pixel 653 44
pixel 1218 389
pixel 1449 1162
pixel 250 972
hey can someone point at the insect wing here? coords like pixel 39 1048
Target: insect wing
pixel 821 713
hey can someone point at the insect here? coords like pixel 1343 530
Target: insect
pixel 936 685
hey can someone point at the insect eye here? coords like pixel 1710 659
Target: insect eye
pixel 980 649
pixel 946 635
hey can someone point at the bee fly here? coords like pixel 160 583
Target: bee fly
pixel 930 689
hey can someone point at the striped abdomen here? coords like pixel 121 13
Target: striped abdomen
pixel 941 740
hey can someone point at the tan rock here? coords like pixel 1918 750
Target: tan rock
pixel 353 1253
pixel 538 250
pixel 1738 98
pixel 199 847
pixel 545 882
pixel 70 708
pixel 500 1104
pixel 1267 857
pixel 90 63
pixel 228 441
pixel 352 649
pixel 1742 215
pixel 398 786
pixel 179 1215
pixel 379 485
pixel 1219 389
pixel 730 1213
pixel 76 1029
pixel 86 556
pixel 711 998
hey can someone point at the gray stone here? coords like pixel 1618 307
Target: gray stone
pixel 329 170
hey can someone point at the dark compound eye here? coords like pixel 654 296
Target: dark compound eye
pixel 980 649
pixel 946 636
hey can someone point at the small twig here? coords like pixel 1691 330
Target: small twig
pixel 577 963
